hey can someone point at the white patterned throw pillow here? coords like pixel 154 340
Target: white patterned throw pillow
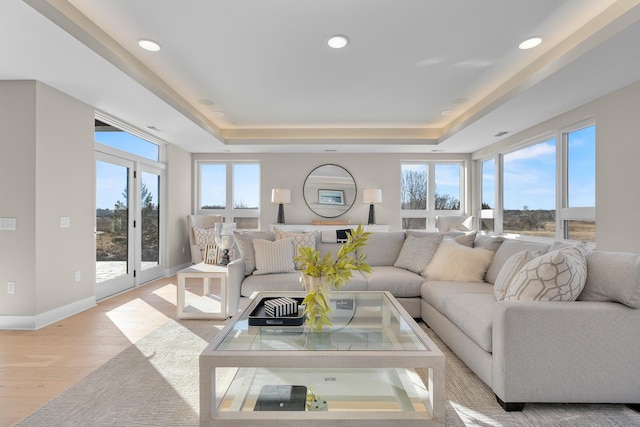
pixel 273 257
pixel 204 236
pixel 509 271
pixel 555 276
pixel 299 240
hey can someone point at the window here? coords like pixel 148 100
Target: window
pixel 529 190
pixel 125 141
pixel 546 189
pixel 429 189
pixel 231 189
pixel 578 213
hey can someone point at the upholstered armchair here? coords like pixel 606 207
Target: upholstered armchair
pixel 454 223
pixel 201 234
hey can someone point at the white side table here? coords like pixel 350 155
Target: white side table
pixel 207 306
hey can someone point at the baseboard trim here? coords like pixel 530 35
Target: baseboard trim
pixel 168 272
pixel 38 321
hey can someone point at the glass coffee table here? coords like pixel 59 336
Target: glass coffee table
pixel 374 367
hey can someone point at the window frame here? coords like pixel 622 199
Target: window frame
pixel 563 212
pixel 230 213
pixel 430 213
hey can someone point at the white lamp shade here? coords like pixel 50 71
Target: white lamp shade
pixel 372 195
pixel 280 195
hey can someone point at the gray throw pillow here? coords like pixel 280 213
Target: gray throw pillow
pixel 417 252
pixel 244 240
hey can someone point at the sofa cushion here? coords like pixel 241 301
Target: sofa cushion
pixel 290 282
pixel 383 248
pixel 510 270
pixel 417 252
pixel 506 249
pixel 244 241
pixel 473 314
pixel 435 292
pixel 453 261
pixel 612 276
pixel 466 239
pixel 555 276
pixel 273 257
pixel 400 282
pixel 271 282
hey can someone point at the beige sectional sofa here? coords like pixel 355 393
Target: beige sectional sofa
pixel 527 351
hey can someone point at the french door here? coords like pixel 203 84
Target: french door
pixel 128 224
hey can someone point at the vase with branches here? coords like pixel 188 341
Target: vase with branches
pixel 321 275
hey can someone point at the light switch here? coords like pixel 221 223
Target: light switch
pixel 65 222
pixel 7 224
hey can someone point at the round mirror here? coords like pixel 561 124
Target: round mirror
pixel 329 191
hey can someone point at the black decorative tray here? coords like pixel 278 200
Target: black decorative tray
pixel 259 317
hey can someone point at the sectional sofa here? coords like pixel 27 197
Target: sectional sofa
pixel 526 350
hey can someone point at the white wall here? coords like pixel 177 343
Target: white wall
pixel 46 171
pixel 178 195
pixel 617 153
pixel 369 171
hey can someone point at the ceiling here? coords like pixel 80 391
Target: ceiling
pixel 257 76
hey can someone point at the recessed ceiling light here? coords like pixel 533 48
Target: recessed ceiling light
pixel 501 133
pixel 219 113
pixel 338 41
pixel 447 112
pixel 530 43
pixel 149 45
pixel 153 128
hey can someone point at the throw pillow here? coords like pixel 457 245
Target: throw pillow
pixel 488 242
pixel 466 239
pixel 453 261
pixel 555 276
pixel 244 240
pixel 299 240
pixel 273 257
pixel 509 270
pixel 204 236
pixel 416 252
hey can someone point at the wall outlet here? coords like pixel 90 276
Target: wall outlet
pixel 77 276
pixel 11 287
pixel 65 222
pixel 183 249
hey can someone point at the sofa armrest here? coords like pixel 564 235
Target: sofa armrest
pixel 235 276
pixel 566 352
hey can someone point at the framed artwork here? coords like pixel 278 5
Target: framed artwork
pixel 211 254
pixel 330 197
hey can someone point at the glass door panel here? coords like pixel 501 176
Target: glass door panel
pixel 149 236
pixel 113 226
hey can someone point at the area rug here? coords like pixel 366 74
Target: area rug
pixel 155 383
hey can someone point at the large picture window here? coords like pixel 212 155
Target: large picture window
pixel 231 189
pixel 544 189
pixel 530 190
pixel 429 189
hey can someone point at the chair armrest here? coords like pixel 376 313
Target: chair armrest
pixel 577 351
pixel 235 276
pixel 196 254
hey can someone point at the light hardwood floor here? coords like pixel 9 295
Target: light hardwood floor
pixel 36 366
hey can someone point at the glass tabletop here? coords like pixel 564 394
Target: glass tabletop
pixel 360 321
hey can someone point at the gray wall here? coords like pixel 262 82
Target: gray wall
pixel 369 171
pixel 46 172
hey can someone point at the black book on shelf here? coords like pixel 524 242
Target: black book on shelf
pixel 281 398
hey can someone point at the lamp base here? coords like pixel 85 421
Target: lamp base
pixel 225 257
pixel 280 214
pixel 372 215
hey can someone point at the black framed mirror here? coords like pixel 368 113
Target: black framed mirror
pixel 329 191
